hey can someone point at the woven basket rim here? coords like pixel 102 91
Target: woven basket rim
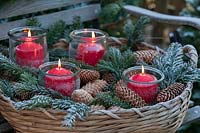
pixel 188 89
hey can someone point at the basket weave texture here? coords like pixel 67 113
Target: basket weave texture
pixel 160 118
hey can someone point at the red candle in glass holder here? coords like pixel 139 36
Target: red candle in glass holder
pixel 61 80
pixel 29 53
pixel 90 52
pixel 143 87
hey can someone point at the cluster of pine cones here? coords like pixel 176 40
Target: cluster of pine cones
pixel 93 85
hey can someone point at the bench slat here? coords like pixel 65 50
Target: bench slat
pixel 86 13
pixel 21 7
pixel 192 115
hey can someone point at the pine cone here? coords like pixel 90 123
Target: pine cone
pixel 146 55
pixel 81 96
pixel 95 87
pixel 97 107
pixel 170 92
pixel 87 75
pixel 24 96
pixel 129 96
pixel 108 77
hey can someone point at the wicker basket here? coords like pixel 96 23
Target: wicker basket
pixel 162 117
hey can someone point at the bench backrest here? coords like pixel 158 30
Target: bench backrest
pixel 86 9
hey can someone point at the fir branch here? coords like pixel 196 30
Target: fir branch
pixel 33 22
pixel 76 24
pixel 108 99
pixel 61 104
pixel 33 89
pixel 55 32
pixel 135 32
pixel 27 77
pixel 6 89
pixel 78 110
pixel 116 62
pixel 9 66
pixel 112 9
pixel 38 101
pixel 74 111
pixel 81 64
pixel 174 67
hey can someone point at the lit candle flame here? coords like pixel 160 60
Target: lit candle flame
pixel 59 64
pixel 142 69
pixel 93 37
pixel 93 34
pixel 29 33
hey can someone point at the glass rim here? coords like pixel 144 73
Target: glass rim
pixel 162 76
pixel 12 32
pixel 63 64
pixel 74 33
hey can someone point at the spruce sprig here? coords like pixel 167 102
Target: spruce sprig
pixel 78 110
pixel 14 70
pixel 9 66
pixel 6 89
pixel 174 67
pixel 116 62
pixel 39 101
pixel 27 77
pixel 34 89
pixel 74 110
pixel 135 32
pixel 108 99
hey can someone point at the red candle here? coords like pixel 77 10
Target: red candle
pixel 61 80
pixel 90 52
pixel 146 91
pixel 29 53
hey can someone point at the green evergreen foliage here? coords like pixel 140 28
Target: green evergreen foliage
pixel 33 22
pixel 109 10
pixel 6 89
pixel 76 24
pixel 55 32
pixel 27 77
pixel 116 62
pixel 135 32
pixel 38 101
pixel 82 64
pixel 16 71
pixel 74 110
pixel 174 67
pixel 9 66
pixel 108 99
pixel 78 110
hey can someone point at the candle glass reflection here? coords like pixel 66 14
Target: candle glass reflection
pixel 28 46
pixel 145 82
pixel 62 77
pixel 87 45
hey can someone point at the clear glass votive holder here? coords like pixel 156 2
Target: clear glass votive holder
pixel 144 81
pixel 87 45
pixel 63 79
pixel 28 46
